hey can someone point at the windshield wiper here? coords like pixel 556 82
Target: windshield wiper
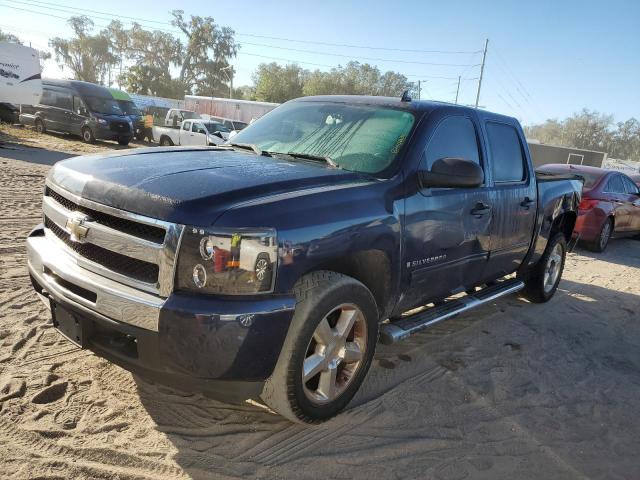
pixel 309 156
pixel 246 146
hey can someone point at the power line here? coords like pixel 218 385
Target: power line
pixel 361 58
pixel 35 3
pixel 387 60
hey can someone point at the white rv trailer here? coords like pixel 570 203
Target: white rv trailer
pixel 20 81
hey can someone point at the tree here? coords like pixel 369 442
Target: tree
pixel 274 83
pixel 245 92
pixel 89 57
pixel 355 79
pixel 626 140
pixel 9 37
pixel 206 53
pixel 592 131
pixel 154 81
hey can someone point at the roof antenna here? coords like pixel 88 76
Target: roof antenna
pixel 405 96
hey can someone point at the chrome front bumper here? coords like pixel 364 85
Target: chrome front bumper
pixel 48 263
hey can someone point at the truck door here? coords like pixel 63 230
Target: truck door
pixel 185 133
pixel 513 198
pixel 198 134
pixel 447 230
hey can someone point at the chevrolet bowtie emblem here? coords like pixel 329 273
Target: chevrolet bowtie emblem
pixel 76 226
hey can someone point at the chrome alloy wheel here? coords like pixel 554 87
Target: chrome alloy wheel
pixel 605 234
pixel 334 354
pixel 552 269
pixel 262 266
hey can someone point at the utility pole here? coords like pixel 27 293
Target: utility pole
pixel 458 89
pixel 419 89
pixel 229 77
pixel 484 58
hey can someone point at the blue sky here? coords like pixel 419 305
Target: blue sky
pixel 546 59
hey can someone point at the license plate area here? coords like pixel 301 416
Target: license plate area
pixel 67 324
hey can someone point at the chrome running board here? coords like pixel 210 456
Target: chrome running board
pixel 400 329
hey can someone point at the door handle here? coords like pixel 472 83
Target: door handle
pixel 527 202
pixel 480 209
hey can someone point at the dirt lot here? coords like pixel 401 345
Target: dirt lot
pixel 25 143
pixel 510 391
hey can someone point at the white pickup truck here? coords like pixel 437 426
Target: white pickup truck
pixel 192 132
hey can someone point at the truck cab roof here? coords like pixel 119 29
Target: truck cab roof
pixel 416 106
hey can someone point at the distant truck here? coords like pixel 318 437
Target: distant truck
pixel 232 125
pixel 175 117
pixel 192 132
pixel 20 80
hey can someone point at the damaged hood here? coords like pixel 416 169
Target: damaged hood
pixel 188 185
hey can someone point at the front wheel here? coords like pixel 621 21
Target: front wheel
pixel 124 141
pixel 543 282
pixel 87 135
pixel 40 128
pixel 328 349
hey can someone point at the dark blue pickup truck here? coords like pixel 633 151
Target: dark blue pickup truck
pixel 270 267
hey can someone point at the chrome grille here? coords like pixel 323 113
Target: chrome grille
pixel 148 232
pixel 128 248
pixel 131 267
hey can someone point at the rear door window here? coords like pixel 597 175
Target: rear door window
pixel 186 126
pixel 455 137
pixel 506 153
pixel 48 97
pixel 64 100
pixel 615 185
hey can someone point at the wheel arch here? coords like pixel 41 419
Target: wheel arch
pixel 564 223
pixel 370 267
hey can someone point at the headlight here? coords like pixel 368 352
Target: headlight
pixel 227 261
pixel 101 121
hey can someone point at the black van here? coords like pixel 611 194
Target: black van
pixel 79 108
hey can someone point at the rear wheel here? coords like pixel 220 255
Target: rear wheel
pixel 39 124
pixel 543 282
pixel 87 135
pixel 124 141
pixel 600 243
pixel 328 349
pixel 165 142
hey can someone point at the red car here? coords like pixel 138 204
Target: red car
pixel 610 204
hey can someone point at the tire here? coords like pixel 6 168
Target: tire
pixel 87 135
pixel 600 244
pixel 123 141
pixel 166 142
pixel 330 299
pixel 39 124
pixel 263 270
pixel 543 282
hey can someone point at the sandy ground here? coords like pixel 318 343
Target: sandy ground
pixel 509 391
pixel 48 148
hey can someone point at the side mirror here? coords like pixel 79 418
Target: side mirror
pixel 452 173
